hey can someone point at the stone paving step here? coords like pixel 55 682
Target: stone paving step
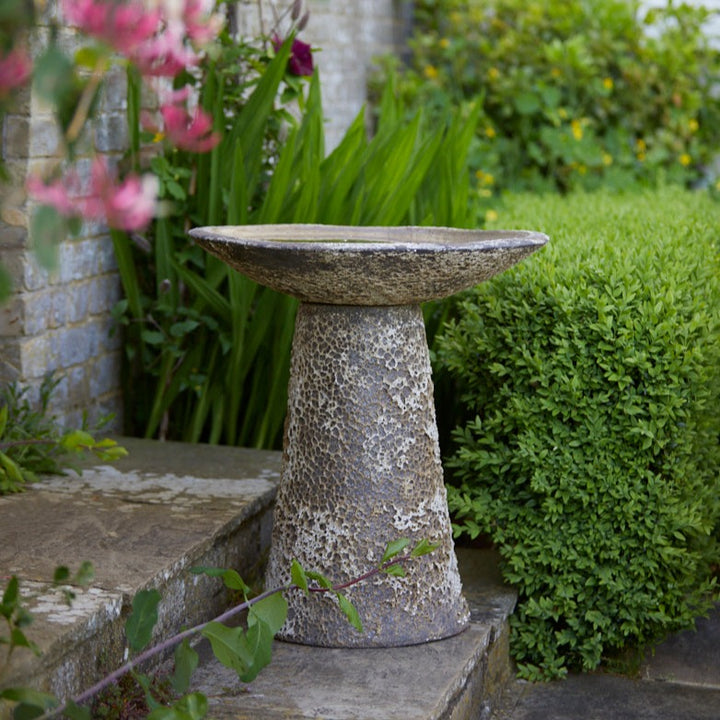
pixel 459 678
pixel 678 680
pixel 142 522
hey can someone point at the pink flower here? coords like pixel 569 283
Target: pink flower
pixel 301 59
pixel 124 25
pixel 57 194
pixel 165 54
pixel 15 69
pixel 202 26
pixel 188 132
pixel 128 205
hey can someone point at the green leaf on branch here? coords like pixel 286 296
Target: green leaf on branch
pixel 233 581
pixel 29 701
pixel 298 577
pixel 186 660
pixel 270 610
pixel 140 624
pixel 394 548
pixel 424 548
pixel 228 646
pixel 258 645
pixel 350 612
pixel 76 712
pixel 395 570
pixel 319 578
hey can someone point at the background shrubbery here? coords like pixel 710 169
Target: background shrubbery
pixel 590 385
pixel 574 93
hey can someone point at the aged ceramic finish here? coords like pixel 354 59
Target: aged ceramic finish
pixel 361 461
pixel 366 265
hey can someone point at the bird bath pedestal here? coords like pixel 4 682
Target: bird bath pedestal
pixel 361 461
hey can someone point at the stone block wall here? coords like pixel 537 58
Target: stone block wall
pixel 60 321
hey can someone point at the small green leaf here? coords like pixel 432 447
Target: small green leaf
pixel 186 660
pixel 10 597
pixel 298 577
pixel 258 645
pixel 424 548
pixel 271 610
pixel 61 575
pixel 395 570
pixel 228 646
pixel 207 570
pixel 319 578
pixel 233 581
pixel 394 548
pixel 31 703
pixel 350 612
pixel 85 574
pixel 3 419
pixel 76 712
pixel 140 624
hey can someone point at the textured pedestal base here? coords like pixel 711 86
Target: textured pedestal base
pixel 361 467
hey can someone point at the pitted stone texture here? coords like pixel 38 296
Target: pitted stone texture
pixel 361 467
pixel 344 265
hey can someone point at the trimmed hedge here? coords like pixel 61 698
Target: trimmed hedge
pixel 589 453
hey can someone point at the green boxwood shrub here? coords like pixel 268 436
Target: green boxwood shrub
pixel 590 379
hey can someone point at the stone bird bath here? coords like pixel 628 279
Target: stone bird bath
pixel 361 461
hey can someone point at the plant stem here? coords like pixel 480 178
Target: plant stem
pixel 176 639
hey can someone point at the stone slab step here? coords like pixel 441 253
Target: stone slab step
pixel 142 522
pixel 459 678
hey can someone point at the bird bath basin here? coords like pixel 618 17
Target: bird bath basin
pixel 361 461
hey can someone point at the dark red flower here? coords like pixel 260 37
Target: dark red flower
pixel 301 59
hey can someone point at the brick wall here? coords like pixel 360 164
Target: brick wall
pixel 60 321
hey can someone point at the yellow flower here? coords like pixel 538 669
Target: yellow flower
pixel 607 159
pixel 444 43
pixel 158 137
pixel 485 178
pixel 493 74
pixel 641 156
pixel 490 132
pixel 491 216
pixel 562 112
pixel 430 72
pixel 577 130
pixel 582 169
pixel 608 83
pixel 685 159
pixel 693 125
pixel 640 145
pixel 556 72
